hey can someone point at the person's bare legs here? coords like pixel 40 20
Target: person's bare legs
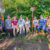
pixel 14 31
pixel 48 36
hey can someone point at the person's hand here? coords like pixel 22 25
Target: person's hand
pixel 48 27
pixel 48 36
pixel 26 25
pixel 8 28
pixel 16 26
pixel 37 24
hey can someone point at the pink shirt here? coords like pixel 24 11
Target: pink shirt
pixel 15 22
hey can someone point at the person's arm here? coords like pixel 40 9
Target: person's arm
pixel 25 23
pixel 18 22
pixel 12 23
pixel 38 22
pixel 47 23
pixel 29 23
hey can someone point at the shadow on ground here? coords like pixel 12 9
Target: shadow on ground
pixel 23 44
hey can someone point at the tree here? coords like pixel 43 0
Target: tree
pixel 23 7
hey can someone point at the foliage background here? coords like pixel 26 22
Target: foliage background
pixel 19 7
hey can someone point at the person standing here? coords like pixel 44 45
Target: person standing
pixel 8 26
pixel 15 26
pixel 27 25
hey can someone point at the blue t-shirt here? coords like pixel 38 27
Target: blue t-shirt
pixel 8 23
pixel 42 22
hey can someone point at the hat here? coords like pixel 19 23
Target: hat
pixel 8 15
pixel 34 16
pixel 21 16
pixel 14 15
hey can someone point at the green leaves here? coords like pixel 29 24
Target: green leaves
pixel 23 7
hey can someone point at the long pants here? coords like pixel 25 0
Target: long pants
pixel 35 28
pixel 41 26
pixel 15 30
pixel 21 28
pixel 9 32
pixel 47 29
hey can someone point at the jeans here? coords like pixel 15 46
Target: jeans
pixel 35 28
pixel 41 26
pixel 9 32
pixel 47 30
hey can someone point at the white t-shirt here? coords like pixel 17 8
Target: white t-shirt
pixel 35 22
pixel 27 22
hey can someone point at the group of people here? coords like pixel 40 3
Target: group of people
pixel 42 23
pixel 22 27
pixel 14 26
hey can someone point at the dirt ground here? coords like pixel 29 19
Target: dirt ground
pixel 23 44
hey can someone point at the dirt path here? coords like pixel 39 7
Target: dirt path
pixel 28 45
pixel 25 43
